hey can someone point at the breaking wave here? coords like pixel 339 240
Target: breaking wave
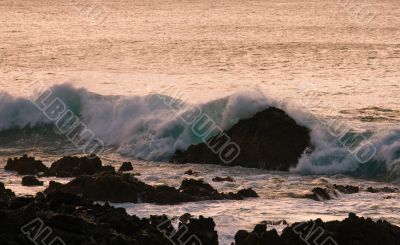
pixel 151 127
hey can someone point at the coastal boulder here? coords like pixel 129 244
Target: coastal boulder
pixel 25 165
pixel 347 189
pixel 111 187
pixel 383 189
pixel 126 166
pixel 72 166
pixel 269 140
pixel 222 179
pixel 31 180
pixel 200 231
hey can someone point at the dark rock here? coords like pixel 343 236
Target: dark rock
pixel 5 194
pixel 195 187
pixel 383 189
pixel 203 229
pixel 126 166
pixel 259 236
pixel 104 186
pixel 191 172
pixel 71 166
pixel 269 140
pixel 348 189
pixel 184 218
pixel 221 179
pixel 353 230
pixel 76 220
pixel 278 222
pixel 118 187
pixel 247 193
pixel 327 193
pixel 165 195
pixel 31 180
pixel 25 165
pixel 19 202
pixel 319 194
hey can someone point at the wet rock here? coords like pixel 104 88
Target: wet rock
pixel 118 187
pixel 350 231
pixel 104 186
pixel 191 172
pixel 348 189
pixel 77 220
pixel 259 236
pixel 278 222
pixel 319 194
pixel 269 140
pixel 195 187
pixel 72 166
pixel 5 194
pixel 19 202
pixel 204 191
pixel 329 192
pixel 247 193
pixel 184 218
pixel 126 166
pixel 222 179
pixel 203 229
pixel 25 165
pixel 31 180
pixel 165 195
pixel 383 189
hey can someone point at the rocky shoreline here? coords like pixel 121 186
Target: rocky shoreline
pixel 63 218
pixel 70 214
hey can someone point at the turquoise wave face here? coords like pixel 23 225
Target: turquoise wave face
pixel 153 127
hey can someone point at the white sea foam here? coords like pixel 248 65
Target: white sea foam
pixel 146 127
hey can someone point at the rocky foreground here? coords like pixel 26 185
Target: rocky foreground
pixel 65 218
pixel 61 218
pixel 270 140
pixel 68 213
pixel 103 183
pixel 351 231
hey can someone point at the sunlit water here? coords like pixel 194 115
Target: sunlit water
pixel 207 50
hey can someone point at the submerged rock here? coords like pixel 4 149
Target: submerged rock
pixel 118 187
pixel 31 180
pixel 269 140
pixel 352 230
pixel 348 189
pixel 222 179
pixel 319 194
pixel 72 166
pixel 383 189
pixel 247 193
pixel 126 166
pixel 191 172
pixel 329 192
pixel 25 165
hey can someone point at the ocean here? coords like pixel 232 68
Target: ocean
pixel 332 66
